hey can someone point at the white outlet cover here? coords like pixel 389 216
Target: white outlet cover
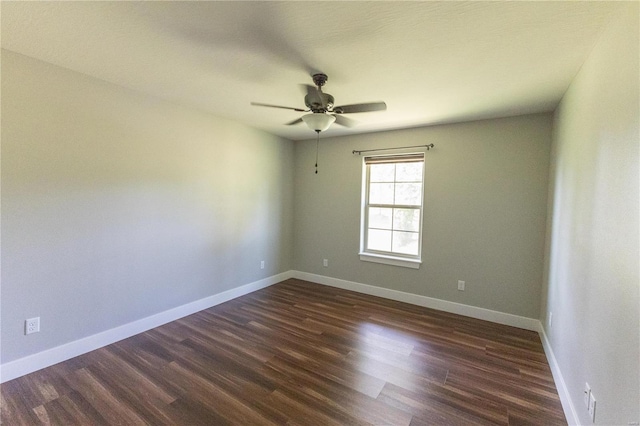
pixel 32 325
pixel 587 394
pixel 592 407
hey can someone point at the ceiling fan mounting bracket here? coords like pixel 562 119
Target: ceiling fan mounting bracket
pixel 319 79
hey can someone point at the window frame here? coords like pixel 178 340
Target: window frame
pixel 389 257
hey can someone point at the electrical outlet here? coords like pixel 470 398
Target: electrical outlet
pixel 592 407
pixel 461 285
pixel 32 325
pixel 325 262
pixel 586 395
pixel 262 264
pixel 550 318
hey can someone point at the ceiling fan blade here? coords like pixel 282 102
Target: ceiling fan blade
pixel 344 121
pixel 296 121
pixel 277 106
pixel 350 109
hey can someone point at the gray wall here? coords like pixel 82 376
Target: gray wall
pixel 592 265
pixel 484 219
pixel 117 206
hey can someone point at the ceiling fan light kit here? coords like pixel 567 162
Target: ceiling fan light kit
pixel 318 121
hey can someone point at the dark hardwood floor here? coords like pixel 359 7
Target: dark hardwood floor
pixel 299 353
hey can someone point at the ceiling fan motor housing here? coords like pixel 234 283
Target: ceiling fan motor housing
pixel 312 102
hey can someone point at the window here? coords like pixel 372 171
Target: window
pixel 392 209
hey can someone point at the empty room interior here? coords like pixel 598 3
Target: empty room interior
pixel 320 213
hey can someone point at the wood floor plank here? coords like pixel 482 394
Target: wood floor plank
pixel 149 400
pixel 339 401
pixel 71 409
pixel 427 411
pixel 214 397
pixel 115 410
pixel 298 353
pixel 516 395
pixel 15 409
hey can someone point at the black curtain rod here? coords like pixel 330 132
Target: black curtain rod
pixel 400 147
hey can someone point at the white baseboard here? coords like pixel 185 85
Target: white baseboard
pixel 46 358
pixel 563 392
pixel 428 302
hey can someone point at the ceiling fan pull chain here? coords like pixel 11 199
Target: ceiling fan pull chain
pixel 317 141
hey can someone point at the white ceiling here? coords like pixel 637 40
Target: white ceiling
pixel 432 62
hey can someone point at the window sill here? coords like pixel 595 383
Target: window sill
pixel 390 260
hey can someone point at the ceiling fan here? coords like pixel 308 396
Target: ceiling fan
pixel 322 110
